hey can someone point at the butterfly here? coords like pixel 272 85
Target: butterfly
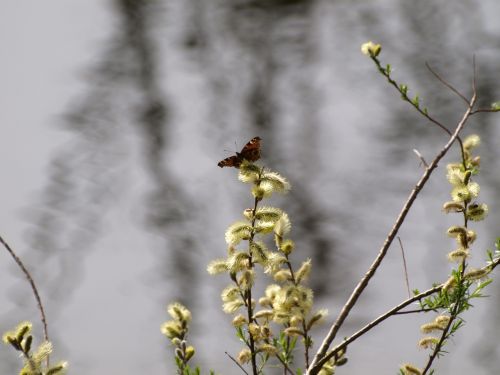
pixel 250 152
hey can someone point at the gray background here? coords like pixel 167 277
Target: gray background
pixel 115 113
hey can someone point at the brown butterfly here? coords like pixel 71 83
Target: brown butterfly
pixel 250 152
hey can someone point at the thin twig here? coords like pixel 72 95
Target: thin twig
pixel 394 311
pixel 424 163
pixel 474 76
pixel 444 82
pixel 342 346
pixel 285 366
pixel 482 110
pixel 404 266
pixel 444 336
pixel 413 311
pixel 358 290
pixel 235 361
pixel 405 97
pixel 33 286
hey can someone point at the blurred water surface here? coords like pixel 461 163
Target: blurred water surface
pixel 115 114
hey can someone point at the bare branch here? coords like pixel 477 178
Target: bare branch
pixel 481 110
pixel 33 288
pixel 404 266
pixel 421 158
pixel 358 290
pixel 237 364
pixel 444 82
pixel 342 346
pixel 32 283
pixel 394 311
pixel 405 97
pixel 474 76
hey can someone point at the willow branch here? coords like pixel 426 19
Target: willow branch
pixel 237 364
pixel 444 82
pixel 396 310
pixel 358 290
pixel 33 286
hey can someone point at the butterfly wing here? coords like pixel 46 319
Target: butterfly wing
pixel 251 151
pixel 232 161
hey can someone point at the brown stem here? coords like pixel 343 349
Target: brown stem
pixel 33 288
pixel 447 84
pixel 342 346
pixel 394 311
pixel 249 293
pixel 235 361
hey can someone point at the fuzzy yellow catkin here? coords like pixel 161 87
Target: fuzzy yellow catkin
pixel 471 142
pixel 477 212
pixel 267 348
pixel 265 314
pixel 409 369
pixel 42 352
pixel 449 284
pixel 442 321
pixel 189 352
pixel 231 307
pixel 454 231
pixel 172 329
pixel 239 320
pixel 476 274
pixel 244 356
pixel 217 266
pixel 303 272
pixel 293 331
pixel 59 368
pixel 428 342
pixel 458 255
pixel 282 275
pixel 430 327
pixel 453 207
pixel 371 49
pixel 254 330
pixel 275 181
pixel 268 213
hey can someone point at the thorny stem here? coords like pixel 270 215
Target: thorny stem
pixel 319 358
pixel 33 288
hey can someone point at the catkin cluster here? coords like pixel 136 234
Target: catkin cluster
pixel 464 194
pixel 176 331
pixel 35 361
pixel 286 301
